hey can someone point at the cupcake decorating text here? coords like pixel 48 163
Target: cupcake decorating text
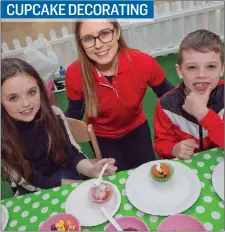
pixel 87 9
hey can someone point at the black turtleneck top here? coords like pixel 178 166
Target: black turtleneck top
pixel 35 140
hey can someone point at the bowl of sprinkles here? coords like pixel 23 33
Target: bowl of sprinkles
pixel 61 222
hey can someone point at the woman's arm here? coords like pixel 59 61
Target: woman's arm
pixel 74 92
pixel 156 80
pixel 75 109
pixel 162 88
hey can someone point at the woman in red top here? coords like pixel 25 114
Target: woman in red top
pixel 110 80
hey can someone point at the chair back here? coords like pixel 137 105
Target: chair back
pixel 83 133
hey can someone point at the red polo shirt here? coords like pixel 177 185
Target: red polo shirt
pixel 120 107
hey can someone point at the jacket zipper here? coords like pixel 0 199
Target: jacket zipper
pixel 110 88
pixel 201 138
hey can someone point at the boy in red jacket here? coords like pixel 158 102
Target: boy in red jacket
pixel 189 118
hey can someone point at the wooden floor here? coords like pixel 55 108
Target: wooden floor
pixel 19 30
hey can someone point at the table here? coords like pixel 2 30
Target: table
pixel 26 213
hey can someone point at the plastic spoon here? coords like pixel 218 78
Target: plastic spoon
pixel 111 219
pixel 99 180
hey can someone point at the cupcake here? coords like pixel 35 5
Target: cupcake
pixel 161 172
pixel 101 193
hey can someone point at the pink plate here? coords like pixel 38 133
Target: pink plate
pixel 126 222
pixel 46 226
pixel 181 222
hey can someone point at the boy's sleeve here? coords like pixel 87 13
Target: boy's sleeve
pixel 215 127
pixel 164 138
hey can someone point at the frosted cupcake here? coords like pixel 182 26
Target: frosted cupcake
pixel 161 172
pixel 101 193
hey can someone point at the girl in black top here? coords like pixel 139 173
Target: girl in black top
pixel 38 150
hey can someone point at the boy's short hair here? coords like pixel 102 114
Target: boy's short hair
pixel 202 41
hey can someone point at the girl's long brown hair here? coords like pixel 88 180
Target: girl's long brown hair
pixel 89 85
pixel 14 154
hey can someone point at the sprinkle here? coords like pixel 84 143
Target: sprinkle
pixel 68 223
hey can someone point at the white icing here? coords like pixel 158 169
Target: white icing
pixel 158 167
pixel 99 192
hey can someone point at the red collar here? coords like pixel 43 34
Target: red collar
pixel 124 65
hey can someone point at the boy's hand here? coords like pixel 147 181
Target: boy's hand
pixel 184 149
pixel 196 104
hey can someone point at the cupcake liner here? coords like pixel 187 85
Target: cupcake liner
pixel 164 179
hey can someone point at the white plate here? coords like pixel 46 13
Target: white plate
pixel 89 214
pixel 163 199
pixel 218 179
pixel 4 217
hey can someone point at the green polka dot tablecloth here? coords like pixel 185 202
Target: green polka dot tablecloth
pixel 27 213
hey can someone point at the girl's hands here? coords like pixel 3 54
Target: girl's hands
pixel 97 167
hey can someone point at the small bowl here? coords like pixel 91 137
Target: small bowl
pixel 181 222
pixel 46 226
pixel 126 222
pixel 92 199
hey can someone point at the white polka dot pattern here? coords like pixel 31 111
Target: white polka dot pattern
pixel 215 215
pixel 46 196
pixel 112 177
pixel 127 206
pixel 27 200
pixel 16 209
pixel 33 219
pixel 25 214
pixel 44 210
pixel 55 201
pixel 22 228
pixel 153 218
pixel 140 213
pixel 65 192
pixel 13 223
pixel 207 199
pixel 9 204
pixel 122 181
pixel 201 164
pixel 207 156
pixel 28 212
pixel 36 205
pixel 208 226
pixel 200 209
pixel 207 176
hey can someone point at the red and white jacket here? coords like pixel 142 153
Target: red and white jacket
pixel 172 124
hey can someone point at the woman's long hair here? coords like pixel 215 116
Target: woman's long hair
pixel 89 85
pixel 14 154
